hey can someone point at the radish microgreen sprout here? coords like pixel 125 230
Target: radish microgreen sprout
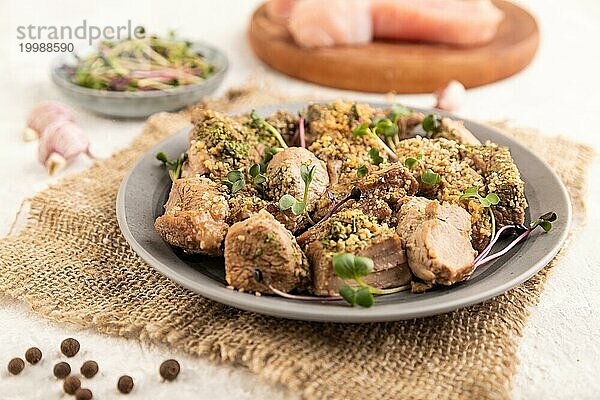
pixel 350 267
pixel 488 201
pixel 365 129
pixel 376 159
pixel 259 123
pixel 287 201
pixel 173 166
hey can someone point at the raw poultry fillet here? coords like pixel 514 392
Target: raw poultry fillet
pixel 318 23
pixel 458 22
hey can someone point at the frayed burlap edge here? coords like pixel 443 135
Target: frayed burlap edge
pixel 70 263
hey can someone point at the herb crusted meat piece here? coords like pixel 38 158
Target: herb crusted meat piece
pixel 220 144
pixel 260 252
pixel 329 137
pixel 386 186
pixel 501 176
pixel 195 216
pixel 352 231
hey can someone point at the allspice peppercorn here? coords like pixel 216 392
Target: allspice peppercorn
pixel 62 370
pixel 125 384
pixel 33 355
pixel 15 366
pixel 169 369
pixel 89 369
pixel 69 347
pixel 71 384
pixel 83 394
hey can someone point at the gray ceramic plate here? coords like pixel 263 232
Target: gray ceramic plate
pixel 145 189
pixel 139 104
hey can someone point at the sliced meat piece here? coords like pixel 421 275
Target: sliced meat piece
pixel 352 231
pixel 260 252
pixel 455 130
pixel 437 240
pixel 195 216
pixel 416 210
pixel 501 176
pixel 390 266
pixel 284 177
pixel 456 22
pixel 439 253
pixel 317 23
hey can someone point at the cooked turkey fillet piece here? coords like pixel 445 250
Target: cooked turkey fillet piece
pixel 437 240
pixel 283 177
pixel 439 253
pixel 260 252
pixel 195 216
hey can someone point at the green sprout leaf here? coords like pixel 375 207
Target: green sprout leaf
pixel 259 123
pixel 348 293
pixel 493 198
pixel 364 297
pixel 386 128
pixel 432 123
pixel 286 202
pixel 398 111
pixel 235 175
pixel 362 171
pixel 429 177
pixel 472 192
pixel 363 265
pixel 237 186
pixel 545 221
pixel 362 130
pixel 254 170
pixel 307 173
pixel 161 156
pixel 259 179
pixel 349 266
pixel 410 162
pixel 343 265
pixel 298 207
pixel 173 166
pixel 376 159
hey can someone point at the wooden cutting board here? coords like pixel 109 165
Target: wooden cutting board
pixel 401 67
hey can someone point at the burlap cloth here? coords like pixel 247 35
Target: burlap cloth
pixel 70 263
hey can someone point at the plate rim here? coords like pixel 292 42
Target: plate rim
pixel 380 313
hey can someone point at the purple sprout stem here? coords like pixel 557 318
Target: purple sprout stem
pixel 505 250
pixel 492 242
pixel 301 132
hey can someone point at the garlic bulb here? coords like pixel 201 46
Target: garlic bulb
pixel 43 115
pixel 61 142
pixel 451 96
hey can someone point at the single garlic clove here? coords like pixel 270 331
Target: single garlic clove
pixel 451 96
pixel 47 112
pixel 55 163
pixel 64 139
pixel 29 135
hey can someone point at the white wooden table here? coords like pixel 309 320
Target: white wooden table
pixel 559 94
